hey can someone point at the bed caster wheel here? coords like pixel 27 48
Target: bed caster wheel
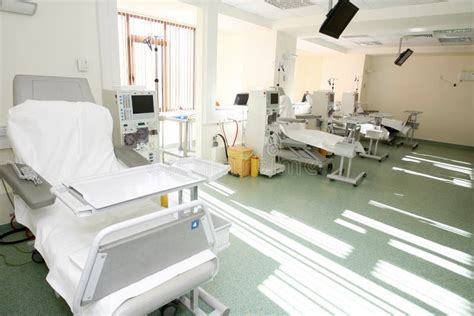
pixel 331 180
pixel 361 157
pixel 36 257
pixel 319 171
pixel 329 167
pixel 169 309
pixel 365 175
pixel 354 185
pixel 380 160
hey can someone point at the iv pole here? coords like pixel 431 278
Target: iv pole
pixel 149 42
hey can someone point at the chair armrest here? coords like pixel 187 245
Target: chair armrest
pixel 307 117
pixel 35 196
pixel 130 157
pixel 290 120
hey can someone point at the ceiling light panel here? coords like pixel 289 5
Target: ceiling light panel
pixel 290 4
pixel 455 41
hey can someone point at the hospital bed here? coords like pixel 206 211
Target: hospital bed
pixel 296 143
pixel 110 248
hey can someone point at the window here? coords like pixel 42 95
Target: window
pixel 175 59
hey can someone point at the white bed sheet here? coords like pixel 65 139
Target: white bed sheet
pixel 316 138
pixel 63 141
pixel 368 126
pixel 64 241
pixel 302 108
pixel 397 125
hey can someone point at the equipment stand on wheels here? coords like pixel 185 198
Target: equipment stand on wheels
pixel 412 122
pixel 347 149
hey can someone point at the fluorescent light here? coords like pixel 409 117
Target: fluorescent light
pixel 18 6
pixel 417 29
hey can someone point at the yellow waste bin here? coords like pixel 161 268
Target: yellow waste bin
pixel 254 166
pixel 239 160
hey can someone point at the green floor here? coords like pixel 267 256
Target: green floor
pixel 401 242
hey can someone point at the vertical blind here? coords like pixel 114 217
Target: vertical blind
pixel 175 58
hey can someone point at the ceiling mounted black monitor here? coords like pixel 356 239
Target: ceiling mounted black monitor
pixel 338 18
pixel 403 57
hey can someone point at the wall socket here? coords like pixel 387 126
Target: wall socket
pixel 82 65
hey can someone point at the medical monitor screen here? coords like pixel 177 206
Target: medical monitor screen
pixel 274 98
pixel 241 99
pixel 142 104
pixel 338 18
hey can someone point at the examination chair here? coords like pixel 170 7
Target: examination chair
pixel 130 260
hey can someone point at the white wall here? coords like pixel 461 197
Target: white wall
pixel 313 71
pixel 169 10
pixel 245 61
pixel 343 67
pixel 308 70
pixel 448 111
pixel 49 43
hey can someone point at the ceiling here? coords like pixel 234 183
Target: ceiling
pixel 379 23
pixel 269 11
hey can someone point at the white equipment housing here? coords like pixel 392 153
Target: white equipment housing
pixel 136 121
pixel 323 103
pixel 261 127
pixel 350 102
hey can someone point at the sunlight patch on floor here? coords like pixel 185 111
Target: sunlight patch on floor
pixel 434 295
pixel 422 219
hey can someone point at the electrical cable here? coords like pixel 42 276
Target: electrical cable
pixel 236 132
pixel 11 232
pixel 225 146
pixel 223 132
pixel 8 195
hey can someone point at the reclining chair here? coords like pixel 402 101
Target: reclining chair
pixel 131 259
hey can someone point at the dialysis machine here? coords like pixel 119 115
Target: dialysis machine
pixel 136 121
pixel 322 106
pixel 262 129
pixel 350 102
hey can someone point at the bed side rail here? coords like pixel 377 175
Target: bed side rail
pixel 127 252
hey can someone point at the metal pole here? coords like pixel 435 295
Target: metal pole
pixel 341 167
pixel 157 90
pixel 400 46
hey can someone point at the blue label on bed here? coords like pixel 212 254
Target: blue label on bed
pixel 194 224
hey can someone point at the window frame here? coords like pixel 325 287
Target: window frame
pixel 132 38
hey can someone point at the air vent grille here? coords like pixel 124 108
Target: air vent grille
pixel 290 4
